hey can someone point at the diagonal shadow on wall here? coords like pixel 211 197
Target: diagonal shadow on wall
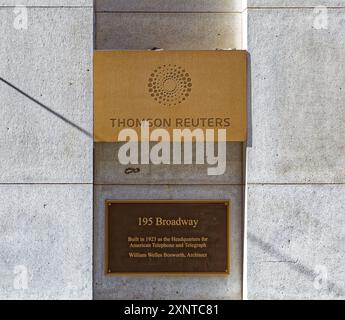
pixel 293 263
pixel 61 117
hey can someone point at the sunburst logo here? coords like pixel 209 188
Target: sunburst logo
pixel 170 85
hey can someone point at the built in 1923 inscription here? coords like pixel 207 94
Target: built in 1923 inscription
pixel 167 237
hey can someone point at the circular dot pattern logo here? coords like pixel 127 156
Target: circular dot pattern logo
pixel 170 85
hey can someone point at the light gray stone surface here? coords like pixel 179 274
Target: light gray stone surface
pixel 295 3
pixel 46 154
pixel 108 170
pixel 116 287
pixel 46 231
pixel 173 31
pixel 169 5
pixel 50 62
pixel 296 242
pixel 169 31
pixel 47 3
pixel 296 190
pixel 298 94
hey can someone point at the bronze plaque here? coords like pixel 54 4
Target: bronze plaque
pixel 167 237
pixel 171 90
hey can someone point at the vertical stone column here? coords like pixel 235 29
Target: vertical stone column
pixel 296 153
pixel 46 167
pixel 170 25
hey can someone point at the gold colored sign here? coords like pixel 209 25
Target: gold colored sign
pixel 167 237
pixel 170 90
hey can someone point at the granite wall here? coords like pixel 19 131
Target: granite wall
pixel 296 155
pixel 293 165
pixel 170 25
pixel 46 149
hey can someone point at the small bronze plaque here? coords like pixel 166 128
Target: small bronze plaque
pixel 167 237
